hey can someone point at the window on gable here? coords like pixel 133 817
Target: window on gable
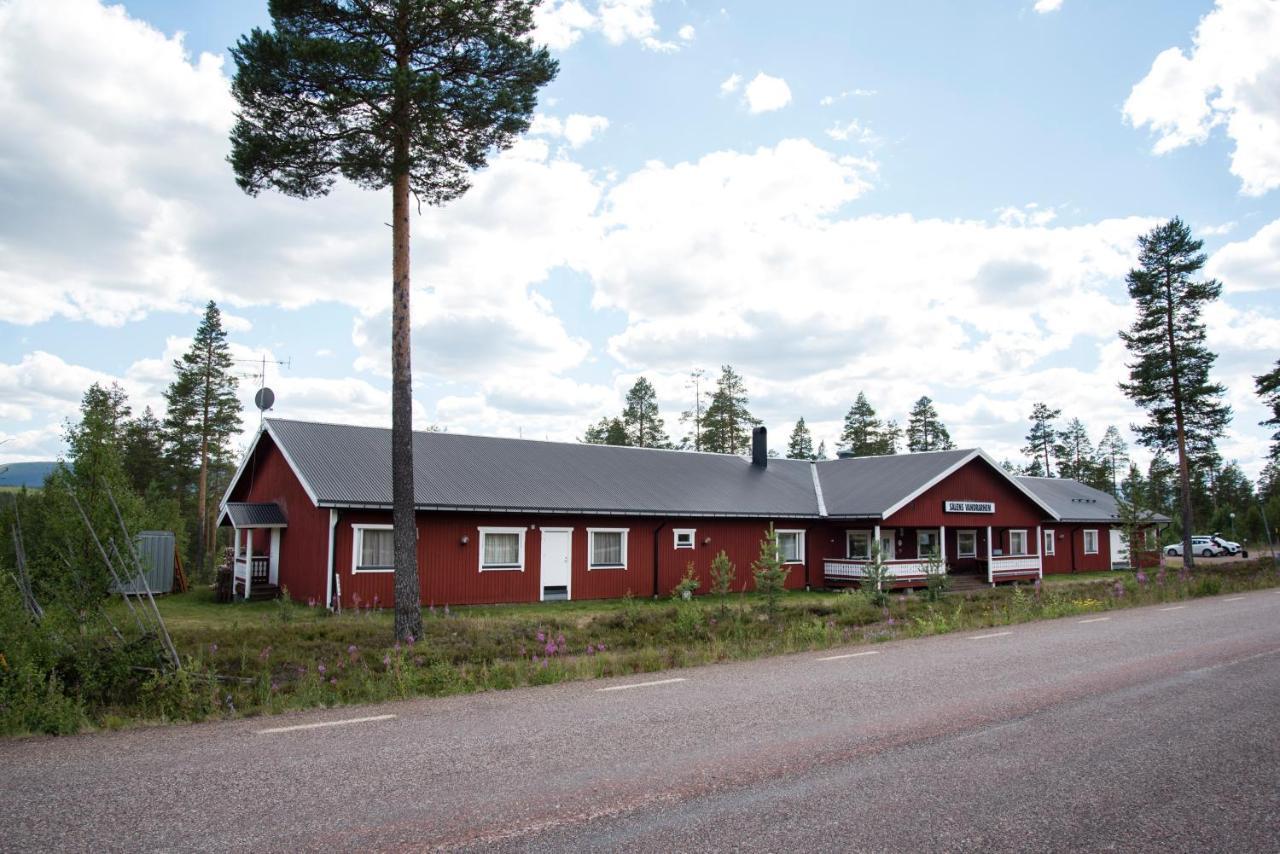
pixel 607 548
pixel 684 537
pixel 791 546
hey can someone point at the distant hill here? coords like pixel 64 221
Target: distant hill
pixel 25 474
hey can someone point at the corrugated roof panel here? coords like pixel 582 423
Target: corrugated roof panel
pixel 1074 501
pixel 350 465
pixel 867 486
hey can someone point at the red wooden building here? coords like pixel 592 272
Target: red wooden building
pixel 512 520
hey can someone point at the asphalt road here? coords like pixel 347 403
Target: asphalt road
pixel 1152 729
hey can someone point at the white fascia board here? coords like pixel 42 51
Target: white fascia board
pixel 977 454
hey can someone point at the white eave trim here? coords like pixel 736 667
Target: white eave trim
pixel 973 455
pixel 253 447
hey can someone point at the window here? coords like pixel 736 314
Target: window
pixel 1017 542
pixel 1048 542
pixel 684 538
pixel 926 543
pixel 791 546
pixel 501 548
pixel 373 549
pixel 607 548
pixel 966 543
pixel 1091 542
pixel 858 544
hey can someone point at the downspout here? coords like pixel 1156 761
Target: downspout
pixel 331 577
pixel 1074 568
pixel 657 531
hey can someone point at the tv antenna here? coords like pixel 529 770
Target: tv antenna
pixel 264 398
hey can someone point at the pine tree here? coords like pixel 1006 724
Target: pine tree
pixel 891 438
pixel 1042 437
pixel 1034 468
pixel 1268 388
pixel 1113 451
pixel 800 446
pixel 410 95
pixel 203 416
pixel 607 431
pixel 1169 376
pixel 640 416
pixel 1074 452
pixel 727 423
pixel 863 434
pixel 925 431
pixel 693 415
pixel 143 452
pixel 822 451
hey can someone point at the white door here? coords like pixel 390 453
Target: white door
pixel 888 547
pixel 1119 549
pixel 556 573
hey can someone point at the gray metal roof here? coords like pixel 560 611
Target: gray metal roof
pixel 245 514
pixel 868 486
pixel 345 465
pixel 1074 501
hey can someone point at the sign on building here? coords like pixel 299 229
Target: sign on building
pixel 969 506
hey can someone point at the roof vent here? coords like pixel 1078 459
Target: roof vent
pixel 760 447
pixel 845 454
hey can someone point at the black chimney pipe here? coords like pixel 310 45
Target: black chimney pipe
pixel 760 447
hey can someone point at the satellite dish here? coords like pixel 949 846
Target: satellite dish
pixel 264 399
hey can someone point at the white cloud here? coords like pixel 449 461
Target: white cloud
pixel 1249 265
pixel 852 131
pixel 1230 79
pixel 730 84
pixel 561 23
pixel 828 100
pixel 1044 7
pixel 765 94
pixel 576 129
pixel 687 33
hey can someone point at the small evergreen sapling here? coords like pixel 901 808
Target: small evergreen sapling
pixel 770 571
pixel 722 574
pixel 877 579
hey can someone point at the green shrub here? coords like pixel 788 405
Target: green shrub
pixel 937 582
pixel 688 585
pixel 722 574
pixel 877 578
pixel 1207 585
pixel 770 572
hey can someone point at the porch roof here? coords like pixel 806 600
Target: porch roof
pixel 246 514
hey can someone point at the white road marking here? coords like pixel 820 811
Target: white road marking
pixel 640 685
pixel 1174 608
pixel 1233 599
pixel 994 635
pixel 325 724
pixel 850 655
pixel 1094 620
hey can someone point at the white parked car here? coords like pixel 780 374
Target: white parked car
pixel 1230 547
pixel 1204 546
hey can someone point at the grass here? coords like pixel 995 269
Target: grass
pixel 267 657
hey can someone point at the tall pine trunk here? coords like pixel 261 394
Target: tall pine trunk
pixel 1179 423
pixel 202 504
pixel 405 537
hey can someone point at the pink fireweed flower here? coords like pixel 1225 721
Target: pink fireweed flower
pixel 600 647
pixel 333 681
pixel 1142 577
pixel 551 649
pixel 376 601
pixel 409 640
pixel 541 636
pixel 213 649
pixel 1119 589
pixel 386 660
pixel 353 650
pixel 311 601
pixel 320 668
pixel 591 650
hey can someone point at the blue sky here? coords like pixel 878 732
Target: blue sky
pixel 906 199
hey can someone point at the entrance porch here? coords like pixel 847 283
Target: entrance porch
pixel 256 532
pixel 989 554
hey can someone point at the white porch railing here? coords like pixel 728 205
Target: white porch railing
pixel 1006 565
pixel 845 569
pixel 251 570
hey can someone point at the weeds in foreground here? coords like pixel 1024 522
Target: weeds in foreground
pixel 241 660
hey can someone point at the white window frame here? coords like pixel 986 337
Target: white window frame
pixel 1085 533
pixel 357 543
pixel 848 543
pixel 933 532
pixel 692 534
pixel 591 548
pixel 518 567
pixel 972 532
pixel 799 532
pixel 1050 544
pixel 1025 542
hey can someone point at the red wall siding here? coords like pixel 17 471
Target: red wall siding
pixel 303 544
pixel 449 571
pixel 1069 553
pixel 976 481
